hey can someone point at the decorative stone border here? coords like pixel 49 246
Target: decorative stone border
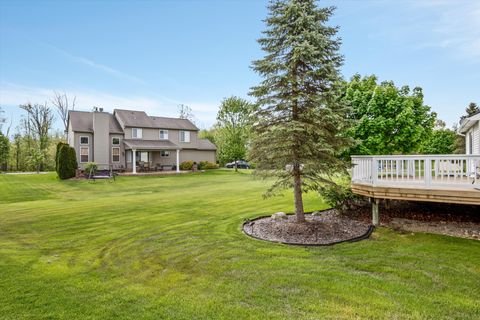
pixel 364 236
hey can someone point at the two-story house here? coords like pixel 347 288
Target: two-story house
pixel 127 138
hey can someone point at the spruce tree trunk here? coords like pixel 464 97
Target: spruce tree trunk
pixel 297 193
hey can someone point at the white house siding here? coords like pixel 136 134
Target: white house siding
pixel 476 138
pixel 474 133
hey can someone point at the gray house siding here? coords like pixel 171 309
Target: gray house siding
pixel 198 155
pixel 121 161
pixel 173 136
pixel 101 127
pixel 101 143
pixel 76 144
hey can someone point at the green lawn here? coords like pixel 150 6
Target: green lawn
pixel 171 248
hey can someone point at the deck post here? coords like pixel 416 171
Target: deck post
pixel 375 211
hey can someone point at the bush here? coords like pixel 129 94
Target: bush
pixel 67 162
pixel 205 165
pixel 186 165
pixel 91 168
pixel 59 146
pixel 340 196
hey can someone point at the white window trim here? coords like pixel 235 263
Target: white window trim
pixel 185 134
pixel 165 153
pixel 84 144
pixel 88 154
pixel 118 154
pixel 165 134
pixel 138 130
pixel 118 141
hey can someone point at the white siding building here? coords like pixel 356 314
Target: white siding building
pixel 470 127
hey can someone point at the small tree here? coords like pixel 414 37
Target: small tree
pixel 63 105
pixel 185 112
pixel 4 151
pixel 300 119
pixel 233 129
pixel 67 162
pixel 36 159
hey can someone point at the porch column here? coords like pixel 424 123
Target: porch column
pixel 134 161
pixel 178 160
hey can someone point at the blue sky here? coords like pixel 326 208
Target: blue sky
pixel 154 55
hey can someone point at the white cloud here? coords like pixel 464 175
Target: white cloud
pixel 456 27
pixel 98 66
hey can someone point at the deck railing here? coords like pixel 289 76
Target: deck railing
pixel 422 170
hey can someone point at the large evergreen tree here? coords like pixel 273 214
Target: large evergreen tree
pixel 300 118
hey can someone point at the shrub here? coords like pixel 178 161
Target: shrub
pixel 91 168
pixel 59 146
pixel 340 196
pixel 205 165
pixel 186 165
pixel 67 162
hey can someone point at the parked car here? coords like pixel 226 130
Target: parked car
pixel 241 164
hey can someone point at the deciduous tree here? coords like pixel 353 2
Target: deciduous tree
pixel 233 129
pixel 388 120
pixel 40 119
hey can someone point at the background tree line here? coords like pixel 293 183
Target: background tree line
pixel 32 145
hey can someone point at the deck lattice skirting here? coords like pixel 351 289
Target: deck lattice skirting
pixel 436 178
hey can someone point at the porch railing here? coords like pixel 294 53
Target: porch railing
pixel 418 170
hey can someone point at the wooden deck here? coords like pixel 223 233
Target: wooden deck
pixel 433 178
pixel 419 193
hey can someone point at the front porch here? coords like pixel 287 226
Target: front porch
pixel 434 178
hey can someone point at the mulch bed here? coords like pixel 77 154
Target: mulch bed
pixel 325 229
pixel 420 211
pixel 440 218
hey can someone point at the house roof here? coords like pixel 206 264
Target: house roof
pixel 205 144
pixel 149 144
pixel 467 123
pixel 82 121
pixel 132 118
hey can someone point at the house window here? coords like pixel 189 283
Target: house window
pixel 84 140
pixel 83 154
pixel 164 134
pixel 115 141
pixel 137 133
pixel 142 156
pixel 165 153
pixel 115 154
pixel 184 136
pixel 129 156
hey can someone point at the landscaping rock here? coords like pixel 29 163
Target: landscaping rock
pixel 316 213
pixel 279 216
